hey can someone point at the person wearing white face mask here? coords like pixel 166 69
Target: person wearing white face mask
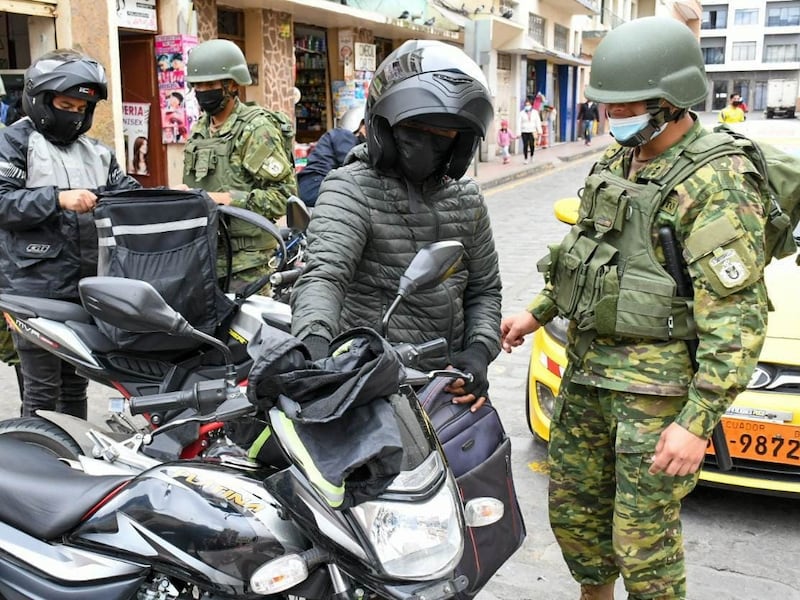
pixel 650 372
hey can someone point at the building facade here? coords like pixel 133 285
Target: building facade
pixel 748 43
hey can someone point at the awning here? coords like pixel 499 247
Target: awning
pixel 452 16
pixel 325 13
pixel 36 8
pixel 537 51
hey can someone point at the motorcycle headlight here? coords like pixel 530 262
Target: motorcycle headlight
pixel 415 540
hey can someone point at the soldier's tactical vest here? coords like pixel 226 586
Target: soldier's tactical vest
pixel 605 272
pixel 207 165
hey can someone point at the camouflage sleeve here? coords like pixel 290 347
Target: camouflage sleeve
pixel 543 307
pixel 730 306
pixel 261 153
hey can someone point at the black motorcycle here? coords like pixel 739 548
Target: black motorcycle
pixel 227 526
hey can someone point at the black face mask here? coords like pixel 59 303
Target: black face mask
pixel 67 126
pixel 361 138
pixel 421 154
pixel 212 101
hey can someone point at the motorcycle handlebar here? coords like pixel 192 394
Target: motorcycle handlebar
pixel 285 277
pixel 202 397
pixel 162 402
pixel 411 353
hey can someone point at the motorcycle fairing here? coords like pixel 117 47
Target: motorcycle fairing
pixel 211 525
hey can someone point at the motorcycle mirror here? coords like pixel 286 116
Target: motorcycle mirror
pixel 566 210
pixel 430 266
pixel 130 304
pixel 297 214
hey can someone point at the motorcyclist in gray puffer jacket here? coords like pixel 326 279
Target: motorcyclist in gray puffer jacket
pixel 427 110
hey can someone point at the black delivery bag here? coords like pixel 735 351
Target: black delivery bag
pixel 169 239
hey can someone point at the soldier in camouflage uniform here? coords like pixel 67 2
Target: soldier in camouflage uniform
pixel 633 416
pixel 237 153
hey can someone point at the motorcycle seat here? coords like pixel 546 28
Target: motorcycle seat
pixel 57 310
pixel 43 496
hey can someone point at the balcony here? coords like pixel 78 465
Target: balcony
pixel 576 7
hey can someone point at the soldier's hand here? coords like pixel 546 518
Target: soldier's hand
pixel 513 329
pixel 678 452
pixel 220 197
pixel 80 201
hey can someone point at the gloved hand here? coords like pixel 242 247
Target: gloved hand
pixel 474 359
pixel 318 346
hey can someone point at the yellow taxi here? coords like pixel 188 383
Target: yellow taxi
pixel 762 426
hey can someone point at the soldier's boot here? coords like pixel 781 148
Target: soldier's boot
pixel 597 592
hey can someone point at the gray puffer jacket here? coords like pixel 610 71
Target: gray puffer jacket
pixel 365 230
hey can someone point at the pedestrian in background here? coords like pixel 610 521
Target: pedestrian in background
pixel 631 422
pixel 530 127
pixel 48 180
pixel 329 153
pixel 588 115
pixel 733 112
pixel 237 154
pixel 504 139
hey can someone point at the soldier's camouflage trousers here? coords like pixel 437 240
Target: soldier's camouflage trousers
pixel 247 267
pixel 608 514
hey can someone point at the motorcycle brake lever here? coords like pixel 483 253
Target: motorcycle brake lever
pixel 450 374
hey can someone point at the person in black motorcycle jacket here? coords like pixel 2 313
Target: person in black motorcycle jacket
pixel 427 109
pixel 50 173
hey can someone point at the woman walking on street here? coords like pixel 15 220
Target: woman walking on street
pixel 530 128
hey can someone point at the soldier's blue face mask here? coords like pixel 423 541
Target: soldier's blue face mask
pixel 628 131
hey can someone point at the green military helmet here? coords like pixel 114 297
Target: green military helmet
pixel 215 60
pixel 652 57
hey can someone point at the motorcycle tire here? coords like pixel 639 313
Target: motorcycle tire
pixel 42 433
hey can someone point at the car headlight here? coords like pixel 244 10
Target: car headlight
pixel 415 540
pixel 547 400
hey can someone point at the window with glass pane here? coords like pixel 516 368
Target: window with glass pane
pixel 743 51
pixel 783 16
pixel 715 18
pixel 713 56
pixel 536 28
pixel 746 16
pixel 561 38
pixel 780 53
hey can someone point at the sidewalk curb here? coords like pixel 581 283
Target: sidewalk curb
pixel 532 170
pixel 585 153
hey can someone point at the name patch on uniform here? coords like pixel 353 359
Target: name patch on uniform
pixel 729 268
pixel 274 166
pixel 670 205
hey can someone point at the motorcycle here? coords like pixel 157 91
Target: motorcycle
pixel 227 527
pixel 67 330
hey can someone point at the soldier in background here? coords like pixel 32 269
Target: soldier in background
pixel 237 154
pixel 631 422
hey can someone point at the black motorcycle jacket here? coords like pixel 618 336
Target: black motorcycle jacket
pixel 45 250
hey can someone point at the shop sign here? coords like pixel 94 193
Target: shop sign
pixel 135 128
pixel 137 14
pixel 365 57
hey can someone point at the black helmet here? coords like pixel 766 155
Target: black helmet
pixel 68 73
pixel 430 82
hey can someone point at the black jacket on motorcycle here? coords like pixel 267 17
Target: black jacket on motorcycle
pixel 44 250
pixel 366 228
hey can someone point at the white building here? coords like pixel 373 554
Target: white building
pixel 747 43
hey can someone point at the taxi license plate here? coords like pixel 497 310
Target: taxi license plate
pixel 762 440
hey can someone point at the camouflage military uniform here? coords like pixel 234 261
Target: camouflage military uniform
pixel 609 515
pixel 245 157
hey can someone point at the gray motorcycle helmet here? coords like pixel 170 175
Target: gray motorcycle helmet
pixel 431 82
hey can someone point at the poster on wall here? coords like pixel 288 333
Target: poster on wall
pixel 135 128
pixel 137 14
pixel 346 42
pixel 178 106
